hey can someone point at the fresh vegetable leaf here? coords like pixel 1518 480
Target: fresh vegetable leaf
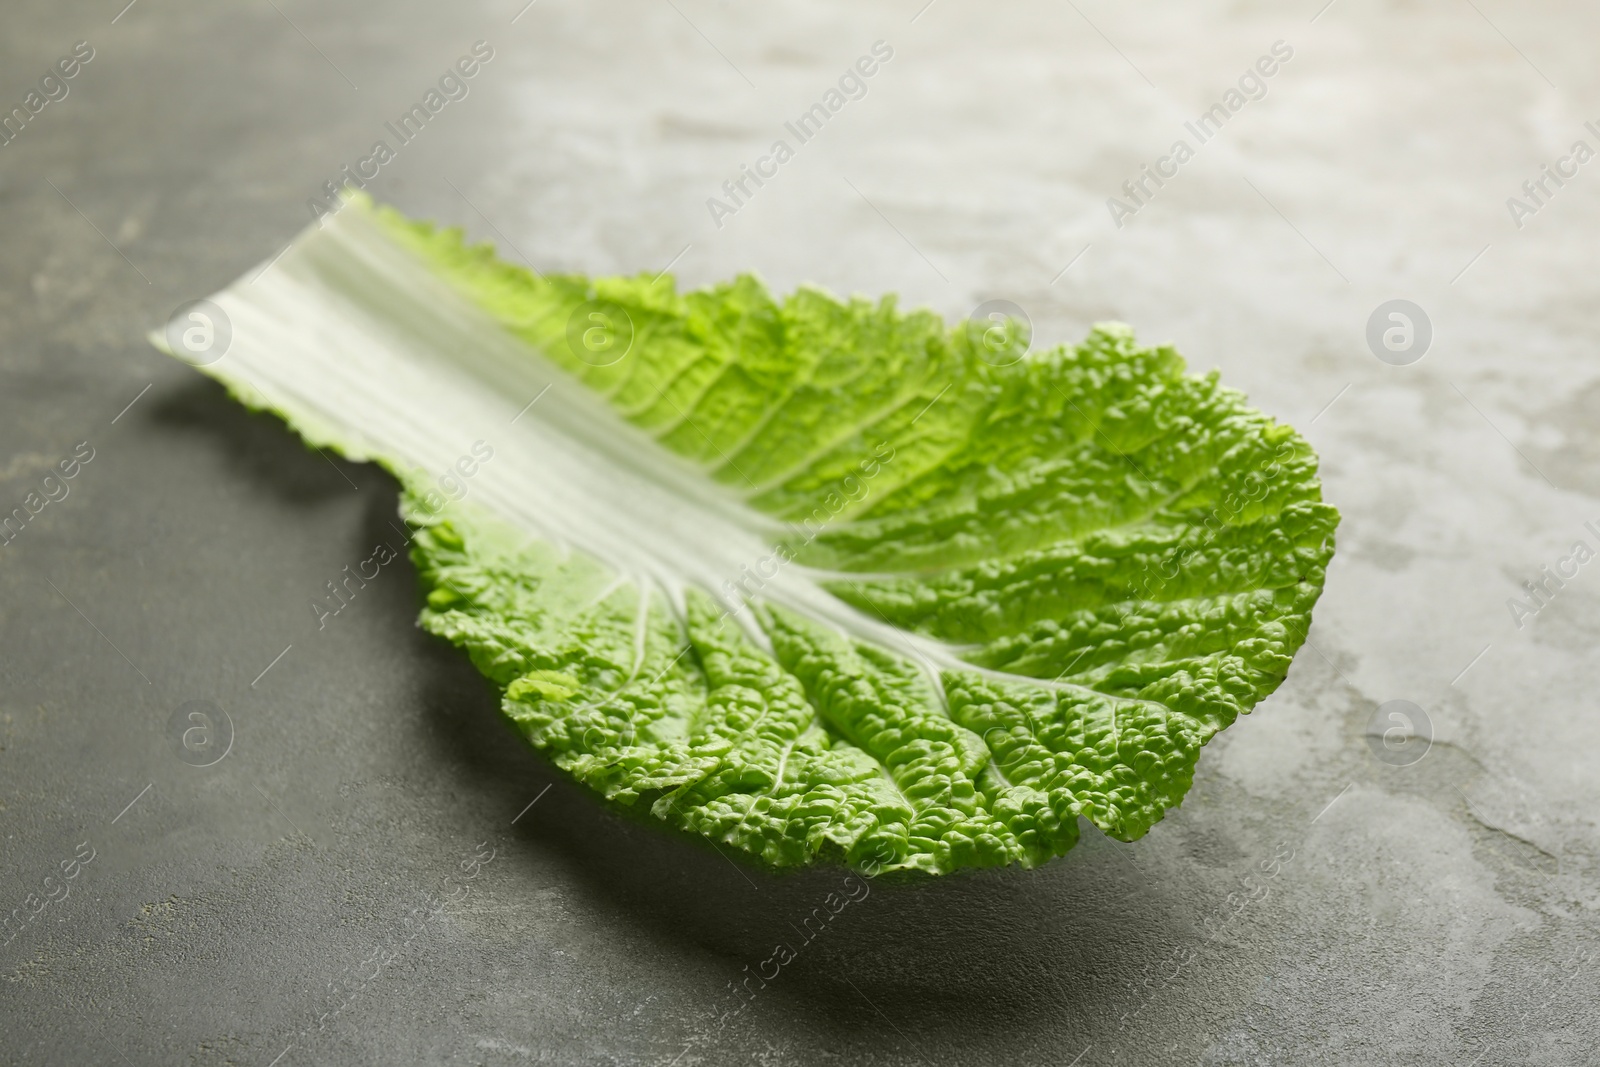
pixel 819 579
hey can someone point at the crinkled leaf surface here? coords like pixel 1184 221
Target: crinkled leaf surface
pixel 822 580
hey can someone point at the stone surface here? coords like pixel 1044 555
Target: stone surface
pixel 263 910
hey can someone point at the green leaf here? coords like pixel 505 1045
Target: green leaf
pixel 821 580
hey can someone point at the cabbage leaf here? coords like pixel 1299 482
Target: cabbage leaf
pixel 822 580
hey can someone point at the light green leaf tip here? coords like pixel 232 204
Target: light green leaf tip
pixel 985 595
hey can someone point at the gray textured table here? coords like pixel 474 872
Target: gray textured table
pixel 265 909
